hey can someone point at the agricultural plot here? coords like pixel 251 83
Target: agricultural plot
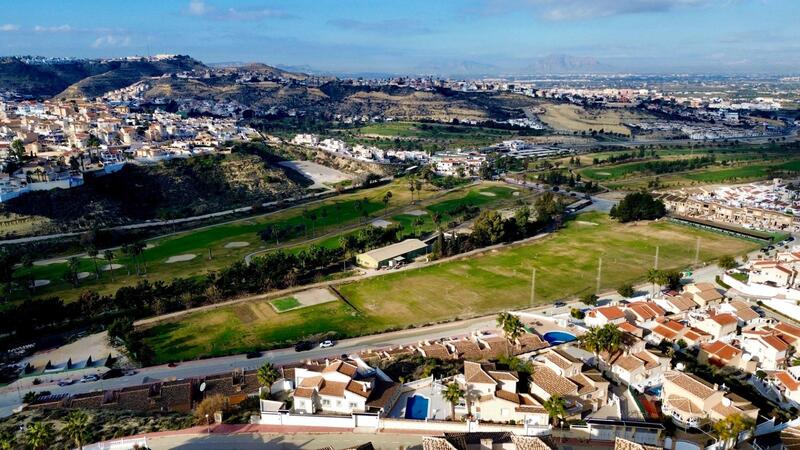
pixel 567 117
pixel 566 265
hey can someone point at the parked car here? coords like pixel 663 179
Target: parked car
pixel 303 346
pixel 559 304
pixel 172 364
pixel 253 355
pixel 89 378
pixel 66 382
pixel 130 373
pixel 326 344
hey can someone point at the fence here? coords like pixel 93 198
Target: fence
pixel 122 444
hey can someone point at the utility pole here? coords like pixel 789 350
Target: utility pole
pixel 697 252
pixel 599 272
pixel 656 264
pixel 533 286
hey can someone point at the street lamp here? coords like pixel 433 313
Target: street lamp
pixel 208 425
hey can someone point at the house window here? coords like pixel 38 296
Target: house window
pixel 338 403
pixel 353 405
pixel 326 402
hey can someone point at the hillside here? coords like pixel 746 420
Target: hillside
pixel 80 78
pixel 336 97
pixel 176 188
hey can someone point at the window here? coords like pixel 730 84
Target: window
pixel 326 402
pixel 353 405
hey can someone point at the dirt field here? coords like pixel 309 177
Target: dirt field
pixel 574 118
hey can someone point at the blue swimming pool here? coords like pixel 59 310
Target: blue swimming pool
pixel 558 337
pixel 417 407
pixel 653 390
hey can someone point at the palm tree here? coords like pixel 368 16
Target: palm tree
pixel 108 255
pixel 77 428
pixel 453 393
pixel 91 250
pixel 418 186
pixel 267 374
pixel 386 198
pixel 653 277
pixel 418 222
pixel 511 325
pixel 728 429
pixel 607 338
pixel 7 440
pixel 556 408
pixel 39 435
pixel 411 188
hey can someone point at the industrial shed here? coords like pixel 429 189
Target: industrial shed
pixel 392 254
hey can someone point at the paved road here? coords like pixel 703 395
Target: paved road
pixel 284 441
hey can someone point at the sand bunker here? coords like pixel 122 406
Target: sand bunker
pixel 181 258
pixel 237 244
pixel 112 267
pixel 583 222
pixel 488 194
pixel 380 223
pixel 49 261
pixel 82 275
pixel 40 283
pixel 417 212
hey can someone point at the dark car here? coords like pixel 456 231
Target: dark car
pixel 559 304
pixel 303 346
pixel 253 355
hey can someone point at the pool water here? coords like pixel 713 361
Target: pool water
pixel 654 390
pixel 417 407
pixel 558 337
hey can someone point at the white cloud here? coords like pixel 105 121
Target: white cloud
pixel 111 40
pixel 560 10
pixel 198 8
pixel 53 29
pixel 9 27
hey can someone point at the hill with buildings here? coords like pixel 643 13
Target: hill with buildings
pixel 38 77
pixel 172 189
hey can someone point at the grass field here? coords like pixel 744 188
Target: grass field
pixel 285 303
pixel 566 265
pixel 569 117
pixel 215 240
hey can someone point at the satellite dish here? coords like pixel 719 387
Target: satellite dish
pixel 679 366
pixel 203 386
pixel 726 402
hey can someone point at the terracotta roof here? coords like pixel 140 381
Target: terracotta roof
pixel 685 406
pixel 624 444
pixel 551 382
pixel 649 359
pixel 646 310
pixel 466 349
pixel 500 375
pixel 629 328
pixel 775 342
pixel 692 335
pixel 474 373
pixel 787 380
pixel 744 311
pixel 674 325
pixel 682 302
pixel 437 351
pixel 359 388
pixel 304 392
pixel 721 350
pixel 610 312
pixel 333 388
pixel 342 367
pixel 725 319
pixel 690 383
pixel 629 363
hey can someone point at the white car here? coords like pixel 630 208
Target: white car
pixel 326 344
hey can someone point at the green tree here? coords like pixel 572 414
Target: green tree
pixel 39 435
pixel 453 394
pixel 626 290
pixel 653 277
pixel 17 150
pixel 77 428
pixel 511 325
pixel 547 207
pixel 607 338
pixel 638 206
pixel 386 198
pixel 71 275
pixel 727 262
pixel 91 250
pixel 489 228
pixel 556 408
pixel 728 429
pixel 7 440
pixel 577 313
pixel 589 299
pixel 267 374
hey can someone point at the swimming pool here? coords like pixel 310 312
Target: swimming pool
pixel 558 337
pixel 417 407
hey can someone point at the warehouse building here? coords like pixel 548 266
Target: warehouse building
pixel 391 255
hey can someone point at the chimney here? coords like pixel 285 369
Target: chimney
pixel 716 387
pixel 486 444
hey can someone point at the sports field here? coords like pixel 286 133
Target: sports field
pixel 217 246
pixel 566 265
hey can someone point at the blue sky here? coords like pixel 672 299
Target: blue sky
pixel 419 36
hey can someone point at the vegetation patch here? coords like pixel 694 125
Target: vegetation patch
pixel 285 303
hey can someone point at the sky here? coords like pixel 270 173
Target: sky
pixel 420 36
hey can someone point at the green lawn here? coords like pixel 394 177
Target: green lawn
pixel 566 265
pixel 282 304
